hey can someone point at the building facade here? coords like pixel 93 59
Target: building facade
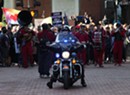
pixel 10 4
pixel 94 8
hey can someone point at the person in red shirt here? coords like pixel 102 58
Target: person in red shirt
pixel 24 38
pixel 119 35
pixel 83 37
pixel 26 44
pixel 45 56
pixel 99 45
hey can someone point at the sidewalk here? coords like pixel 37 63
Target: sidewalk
pixel 110 80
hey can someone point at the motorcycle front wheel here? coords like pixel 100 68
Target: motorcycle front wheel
pixel 66 80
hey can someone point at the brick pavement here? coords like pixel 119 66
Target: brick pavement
pixel 110 80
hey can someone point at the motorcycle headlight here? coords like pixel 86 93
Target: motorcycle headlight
pixel 66 54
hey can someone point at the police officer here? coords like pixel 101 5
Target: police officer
pixel 55 74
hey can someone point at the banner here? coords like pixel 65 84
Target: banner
pixel 47 20
pixel 57 19
pixel 10 15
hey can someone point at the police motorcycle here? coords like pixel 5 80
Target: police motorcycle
pixel 67 68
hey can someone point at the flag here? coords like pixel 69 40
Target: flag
pixel 10 15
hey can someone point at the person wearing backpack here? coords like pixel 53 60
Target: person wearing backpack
pixel 45 56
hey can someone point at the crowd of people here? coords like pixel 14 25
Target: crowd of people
pixel 105 43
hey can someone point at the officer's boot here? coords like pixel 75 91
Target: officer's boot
pixel 53 79
pixel 49 84
pixel 82 77
pixel 83 82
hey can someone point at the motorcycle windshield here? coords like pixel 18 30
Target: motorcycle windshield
pixel 66 40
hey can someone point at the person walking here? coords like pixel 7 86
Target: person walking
pixel 45 56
